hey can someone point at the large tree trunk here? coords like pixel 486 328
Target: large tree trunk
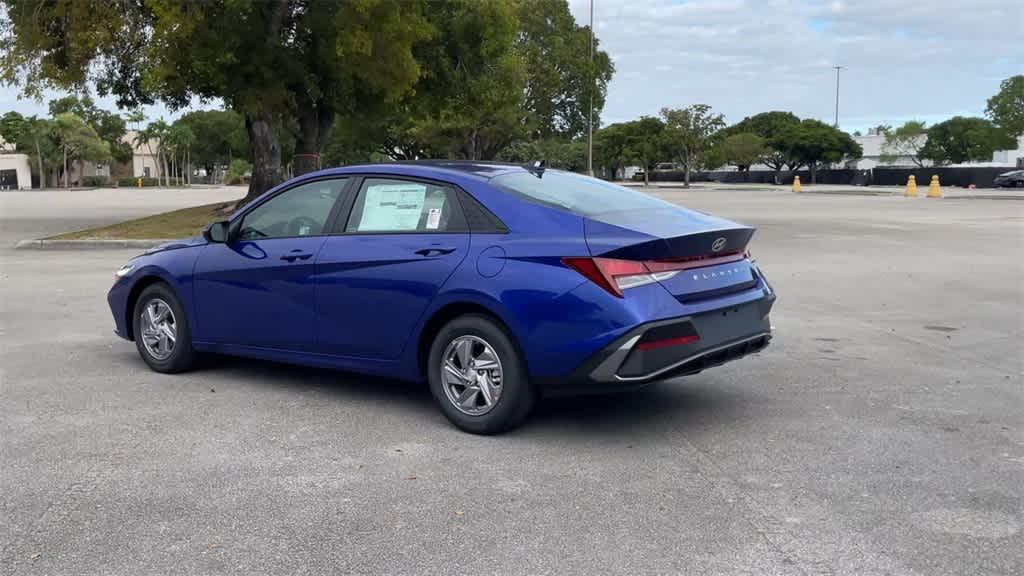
pixel 686 176
pixel 266 156
pixel 647 173
pixel 315 122
pixel 65 166
pixel 814 172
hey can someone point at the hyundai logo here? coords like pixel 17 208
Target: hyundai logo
pixel 718 245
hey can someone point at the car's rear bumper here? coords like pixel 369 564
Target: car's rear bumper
pixel 668 348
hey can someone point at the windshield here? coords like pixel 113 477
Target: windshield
pixel 578 194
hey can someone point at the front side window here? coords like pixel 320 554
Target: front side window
pixel 386 205
pixel 300 211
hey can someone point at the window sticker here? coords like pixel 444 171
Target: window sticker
pixel 433 218
pixel 393 206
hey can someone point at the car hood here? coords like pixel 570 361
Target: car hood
pixel 176 244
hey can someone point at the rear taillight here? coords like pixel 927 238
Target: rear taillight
pixel 616 275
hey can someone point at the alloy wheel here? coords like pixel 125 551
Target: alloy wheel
pixel 159 331
pixel 471 375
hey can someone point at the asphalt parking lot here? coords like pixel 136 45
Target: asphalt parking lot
pixel 881 433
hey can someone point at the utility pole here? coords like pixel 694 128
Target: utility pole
pixel 837 69
pixel 590 110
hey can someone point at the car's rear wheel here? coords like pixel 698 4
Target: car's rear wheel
pixel 478 377
pixel 161 330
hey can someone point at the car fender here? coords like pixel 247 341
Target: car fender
pixel 173 267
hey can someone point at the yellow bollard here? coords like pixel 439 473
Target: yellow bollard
pixel 796 183
pixel 911 187
pixel 139 182
pixel 934 189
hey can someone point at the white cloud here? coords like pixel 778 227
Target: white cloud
pixel 917 58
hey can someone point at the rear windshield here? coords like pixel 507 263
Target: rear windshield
pixel 578 194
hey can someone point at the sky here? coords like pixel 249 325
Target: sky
pixel 912 59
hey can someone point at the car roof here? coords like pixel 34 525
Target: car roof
pixel 480 169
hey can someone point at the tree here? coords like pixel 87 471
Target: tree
pixel 961 139
pixel 556 153
pixel 813 142
pixel 1006 108
pixel 645 142
pixel 279 64
pixel 109 126
pixel 742 150
pixel 688 134
pixel 179 141
pixel 559 77
pixel 610 148
pixel 220 137
pixel 907 141
pixel 34 136
pixel 775 127
pixel 146 137
pixel 78 141
pixel 468 101
pixel 11 126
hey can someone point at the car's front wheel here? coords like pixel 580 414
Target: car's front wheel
pixel 478 377
pixel 161 330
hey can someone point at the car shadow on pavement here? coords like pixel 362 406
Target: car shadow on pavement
pixel 701 402
pixel 337 383
pixel 680 404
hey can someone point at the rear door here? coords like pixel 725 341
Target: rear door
pixel 400 242
pixel 258 289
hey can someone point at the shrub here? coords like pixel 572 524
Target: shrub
pixel 238 172
pixel 94 181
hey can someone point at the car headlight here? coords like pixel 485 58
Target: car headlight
pixel 123 271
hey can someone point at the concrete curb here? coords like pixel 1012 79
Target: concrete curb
pixel 87 244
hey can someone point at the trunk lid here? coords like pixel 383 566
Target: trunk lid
pixel 707 250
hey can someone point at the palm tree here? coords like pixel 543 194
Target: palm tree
pixel 158 129
pixel 38 131
pixel 144 137
pixel 180 139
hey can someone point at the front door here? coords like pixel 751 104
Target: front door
pixel 258 288
pixel 401 242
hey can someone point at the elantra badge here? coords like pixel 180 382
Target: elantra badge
pixel 718 245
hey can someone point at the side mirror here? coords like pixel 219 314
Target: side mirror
pixel 216 232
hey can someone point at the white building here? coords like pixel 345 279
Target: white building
pixel 872 144
pixel 15 173
pixel 144 156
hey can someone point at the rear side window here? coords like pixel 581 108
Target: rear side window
pixel 386 205
pixel 578 194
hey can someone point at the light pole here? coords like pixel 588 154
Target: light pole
pixel 590 109
pixel 837 69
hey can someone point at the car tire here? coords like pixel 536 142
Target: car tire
pixel 479 337
pixel 169 350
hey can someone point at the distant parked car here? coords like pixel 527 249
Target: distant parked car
pixel 1013 179
pixel 494 283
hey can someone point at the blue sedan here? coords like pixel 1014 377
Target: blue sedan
pixel 494 283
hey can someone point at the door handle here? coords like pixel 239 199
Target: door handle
pixel 293 257
pixel 435 251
